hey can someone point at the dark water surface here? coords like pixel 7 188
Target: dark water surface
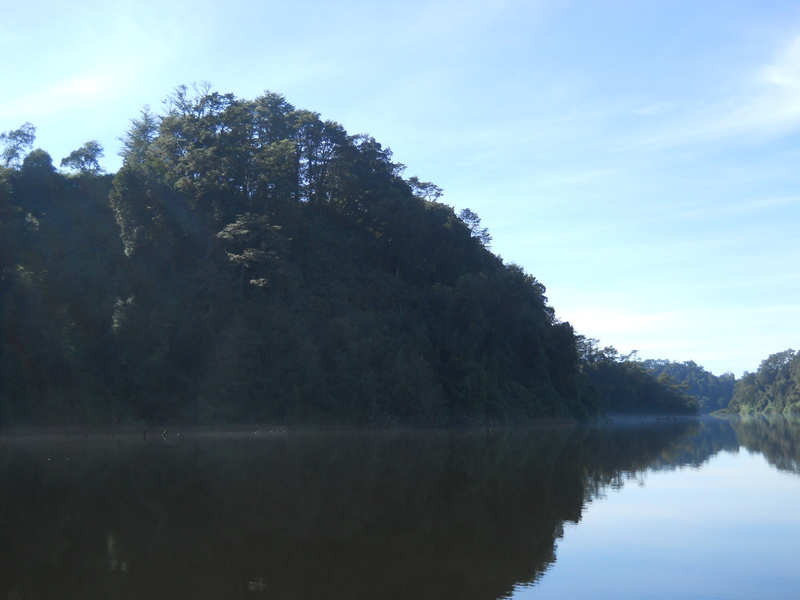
pixel 659 509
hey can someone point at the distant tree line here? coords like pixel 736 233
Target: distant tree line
pixel 710 392
pixel 624 385
pixel 253 262
pixel 773 388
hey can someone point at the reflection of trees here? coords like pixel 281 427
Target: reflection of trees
pixel 612 456
pixel 706 438
pixel 777 437
pixel 355 515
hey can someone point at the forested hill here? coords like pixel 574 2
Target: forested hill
pixel 773 388
pixel 253 262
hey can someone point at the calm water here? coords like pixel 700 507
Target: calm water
pixel 667 509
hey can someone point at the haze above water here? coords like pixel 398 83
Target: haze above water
pixel 660 509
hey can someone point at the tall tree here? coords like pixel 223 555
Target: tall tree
pixel 85 159
pixel 140 135
pixel 16 143
pixel 473 221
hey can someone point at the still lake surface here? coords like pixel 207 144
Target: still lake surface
pixel 691 509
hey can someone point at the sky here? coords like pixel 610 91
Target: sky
pixel 640 158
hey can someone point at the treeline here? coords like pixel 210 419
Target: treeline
pixel 253 262
pixel 773 388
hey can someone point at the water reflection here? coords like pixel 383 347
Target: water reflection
pixel 776 437
pixel 353 515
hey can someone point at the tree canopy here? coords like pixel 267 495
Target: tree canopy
pixel 85 159
pixel 16 143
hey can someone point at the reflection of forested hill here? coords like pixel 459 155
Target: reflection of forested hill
pixel 389 515
pixel 777 437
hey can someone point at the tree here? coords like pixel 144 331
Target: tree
pixel 253 245
pixel 85 159
pixel 16 143
pixel 425 190
pixel 137 141
pixel 318 144
pixel 473 221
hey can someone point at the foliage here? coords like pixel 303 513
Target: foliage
pixel 59 270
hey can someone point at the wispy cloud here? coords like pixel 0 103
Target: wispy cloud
pixel 764 104
pixel 64 94
pixel 785 71
pixel 656 109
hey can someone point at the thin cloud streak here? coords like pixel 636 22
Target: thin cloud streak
pixel 766 105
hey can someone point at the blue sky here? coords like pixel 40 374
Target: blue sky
pixel 640 158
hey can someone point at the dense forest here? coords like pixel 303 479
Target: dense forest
pixel 251 262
